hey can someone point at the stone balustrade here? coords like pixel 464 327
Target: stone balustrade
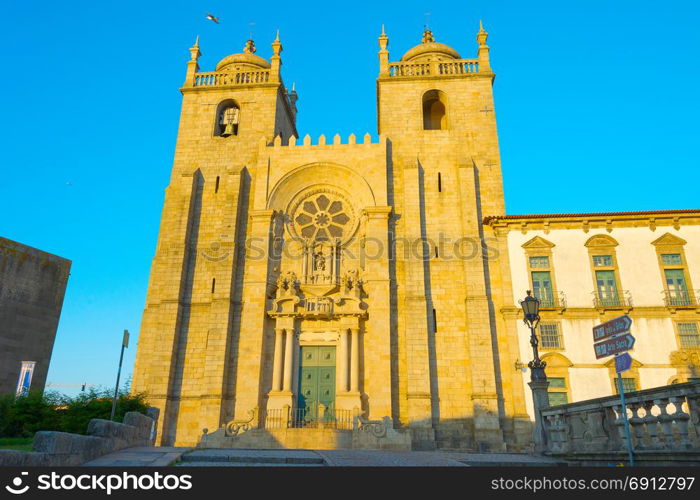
pixel 433 68
pixel 664 419
pixel 234 78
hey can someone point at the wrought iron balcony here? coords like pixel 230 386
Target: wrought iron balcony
pixel 556 301
pixel 681 298
pixel 620 299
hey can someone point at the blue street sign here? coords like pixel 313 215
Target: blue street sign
pixel 614 345
pixel 623 362
pixel 613 327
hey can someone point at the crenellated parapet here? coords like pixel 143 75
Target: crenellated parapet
pixel 307 141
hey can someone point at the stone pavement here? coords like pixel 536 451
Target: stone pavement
pixel 153 456
pixel 164 456
pixel 378 458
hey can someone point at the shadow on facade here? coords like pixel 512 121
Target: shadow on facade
pixel 455 434
pixel 172 405
pixel 429 306
pixel 492 312
pixel 236 294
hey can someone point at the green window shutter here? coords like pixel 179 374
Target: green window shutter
pixel 607 288
pixel 557 398
pixel 671 259
pixel 602 260
pixel 677 289
pixel 541 262
pixel 628 384
pixel 557 382
pixel 542 287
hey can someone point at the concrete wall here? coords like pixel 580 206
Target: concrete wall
pixel 32 286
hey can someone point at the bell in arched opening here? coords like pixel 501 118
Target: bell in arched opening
pixel 228 121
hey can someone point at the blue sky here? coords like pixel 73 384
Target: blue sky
pixel 596 101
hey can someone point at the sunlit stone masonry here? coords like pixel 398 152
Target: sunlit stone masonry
pixel 357 292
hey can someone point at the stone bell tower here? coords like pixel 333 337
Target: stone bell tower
pixel 186 356
pixel 437 109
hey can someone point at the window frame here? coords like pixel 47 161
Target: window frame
pixel 560 336
pixel 669 244
pixel 558 367
pixel 540 247
pixel 676 327
pixel 598 245
pixel 632 373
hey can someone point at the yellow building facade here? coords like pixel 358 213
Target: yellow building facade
pixel 305 285
pixel 290 274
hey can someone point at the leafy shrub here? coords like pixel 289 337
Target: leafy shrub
pixel 78 411
pixel 23 416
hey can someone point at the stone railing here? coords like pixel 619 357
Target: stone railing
pixel 317 427
pixel 433 68
pixel 664 419
pixel 319 305
pixel 226 79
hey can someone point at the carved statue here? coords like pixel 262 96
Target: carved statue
pixel 320 262
pixel 351 281
pixel 345 284
pixel 287 284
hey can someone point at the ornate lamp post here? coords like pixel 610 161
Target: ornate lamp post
pixel 531 310
pixel 538 378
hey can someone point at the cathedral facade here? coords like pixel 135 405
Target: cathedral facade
pixel 304 282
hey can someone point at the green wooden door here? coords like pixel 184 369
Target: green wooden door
pixel 316 380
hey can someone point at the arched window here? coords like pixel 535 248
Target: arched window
pixel 227 119
pixel 434 110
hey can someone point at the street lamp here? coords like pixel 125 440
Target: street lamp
pixel 531 316
pixel 538 379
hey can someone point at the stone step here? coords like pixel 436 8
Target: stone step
pixel 225 457
pixel 494 463
pixel 243 464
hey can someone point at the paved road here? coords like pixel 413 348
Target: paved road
pixel 163 456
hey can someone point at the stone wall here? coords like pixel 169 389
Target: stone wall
pixel 103 436
pixel 32 286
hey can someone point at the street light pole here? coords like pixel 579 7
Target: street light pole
pixel 538 378
pixel 125 344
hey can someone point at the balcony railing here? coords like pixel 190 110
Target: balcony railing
pixel 434 68
pixel 226 79
pixel 319 305
pixel 556 301
pixel 681 298
pixel 314 417
pixel 619 299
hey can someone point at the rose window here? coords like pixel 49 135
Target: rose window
pixel 323 217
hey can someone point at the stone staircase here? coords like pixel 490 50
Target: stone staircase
pixel 251 458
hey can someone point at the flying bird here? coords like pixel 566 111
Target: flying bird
pixel 212 17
